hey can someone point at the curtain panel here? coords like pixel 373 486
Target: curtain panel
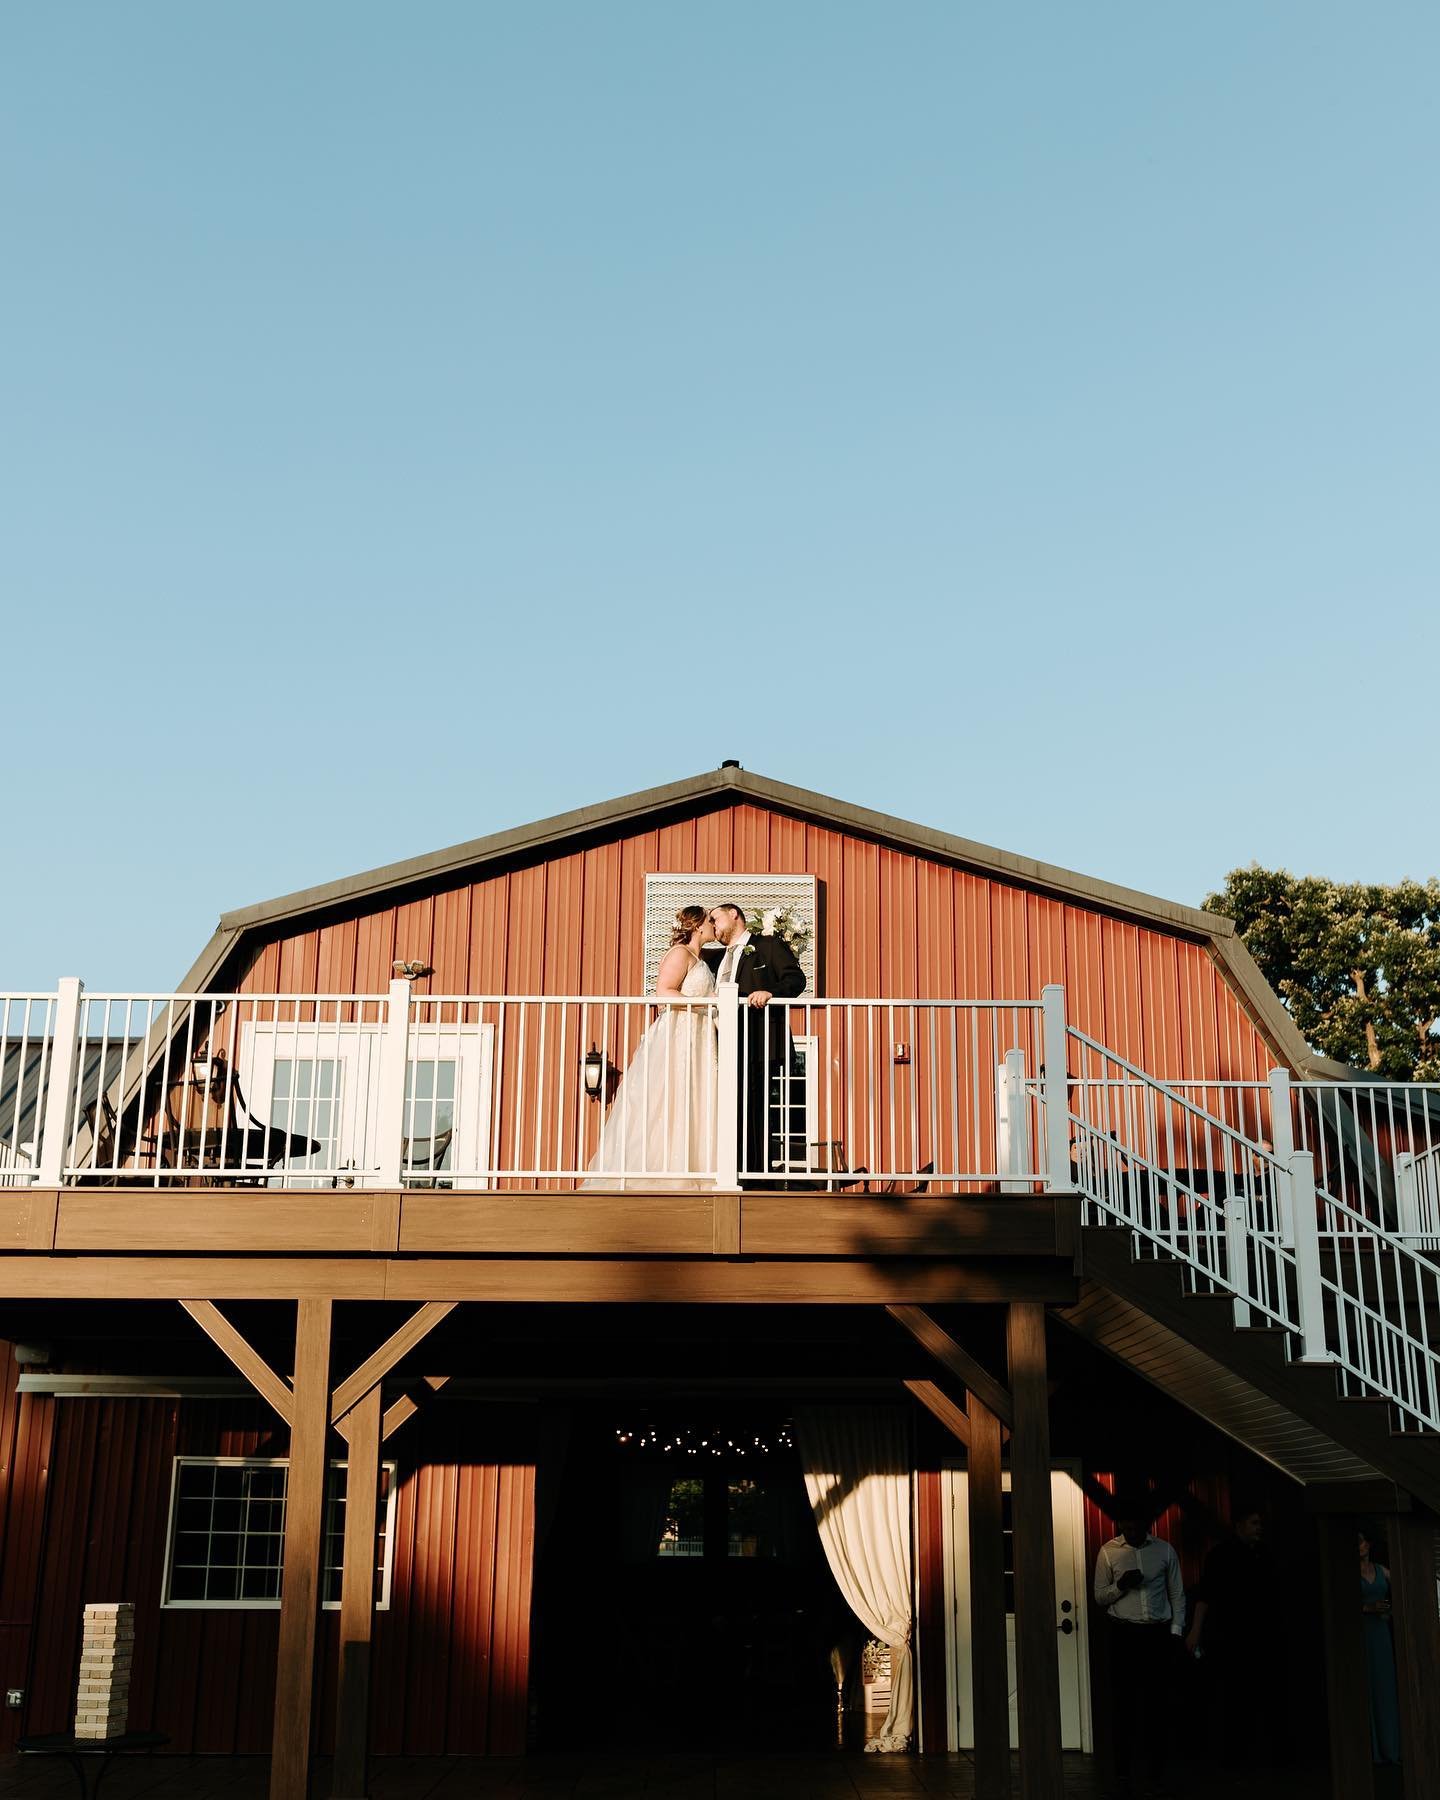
pixel 857 1476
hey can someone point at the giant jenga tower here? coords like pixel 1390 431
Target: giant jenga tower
pixel 103 1702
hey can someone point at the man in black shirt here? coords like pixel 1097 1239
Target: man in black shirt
pixel 1235 1627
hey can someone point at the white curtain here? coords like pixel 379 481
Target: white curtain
pixel 857 1475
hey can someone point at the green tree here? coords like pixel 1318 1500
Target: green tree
pixel 1357 963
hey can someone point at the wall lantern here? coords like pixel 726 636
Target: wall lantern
pixel 595 1068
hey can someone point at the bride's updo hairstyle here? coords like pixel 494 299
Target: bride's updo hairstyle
pixel 689 919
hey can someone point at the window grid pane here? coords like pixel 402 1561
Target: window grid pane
pixel 228 1533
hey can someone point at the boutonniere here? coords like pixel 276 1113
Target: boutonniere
pixel 749 950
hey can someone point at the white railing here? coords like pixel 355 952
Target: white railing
pixel 27 1036
pixel 1189 1185
pixel 1243 1215
pixel 871 1097
pixel 511 1091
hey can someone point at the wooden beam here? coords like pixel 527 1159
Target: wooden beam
pixel 989 1683
pixel 1037 1665
pixel 589 1281
pixel 270 1386
pixel 1347 1685
pixel 935 1400
pixel 375 1368
pixel 407 1406
pixel 304 1538
pixel 357 1598
pixel 708 1281
pixel 961 1364
pixel 192 1277
pixel 1411 1541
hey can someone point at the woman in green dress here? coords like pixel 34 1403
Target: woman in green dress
pixel 1379 1655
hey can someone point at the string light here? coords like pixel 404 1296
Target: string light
pixel 698 1440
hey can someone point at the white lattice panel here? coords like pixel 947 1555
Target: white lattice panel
pixel 758 894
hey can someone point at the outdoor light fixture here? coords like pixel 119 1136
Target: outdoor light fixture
pixel 594 1068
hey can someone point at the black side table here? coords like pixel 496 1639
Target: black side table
pixel 80 1751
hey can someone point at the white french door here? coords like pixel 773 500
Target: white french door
pixel 1071 1635
pixel 322 1084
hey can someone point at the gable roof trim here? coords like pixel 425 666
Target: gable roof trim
pixel 1211 929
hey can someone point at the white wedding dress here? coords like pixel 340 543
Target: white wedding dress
pixel 661 1129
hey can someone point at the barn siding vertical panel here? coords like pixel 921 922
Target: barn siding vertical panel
pixel 450 943
pixel 930 1620
pixel 375 951
pixel 27 1425
pixel 489 933
pixel 715 841
pixel 335 966
pixel 600 904
pixel 752 847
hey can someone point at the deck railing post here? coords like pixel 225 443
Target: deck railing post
pixel 1282 1138
pixel 727 1097
pixel 1014 1159
pixel 1056 1089
pixel 1407 1195
pixel 1310 1293
pixel 390 1103
pixel 60 1086
pixel 1237 1253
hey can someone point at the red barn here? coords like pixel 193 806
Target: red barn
pixel 449 1350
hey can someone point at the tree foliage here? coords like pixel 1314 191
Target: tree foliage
pixel 1357 963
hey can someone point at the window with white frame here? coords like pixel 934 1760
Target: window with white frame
pixel 226 1539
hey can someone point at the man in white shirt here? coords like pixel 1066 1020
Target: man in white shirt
pixel 1137 1581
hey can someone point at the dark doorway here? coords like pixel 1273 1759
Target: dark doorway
pixel 682 1597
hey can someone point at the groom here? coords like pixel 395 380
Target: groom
pixel 763 968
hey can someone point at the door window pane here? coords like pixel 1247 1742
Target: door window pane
pixel 305 1102
pixel 683 1532
pixel 752 1514
pixel 430 1088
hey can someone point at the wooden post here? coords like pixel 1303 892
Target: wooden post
pixel 304 1520
pixel 1411 1540
pixel 989 1683
pixel 1346 1684
pixel 1037 1664
pixel 357 1599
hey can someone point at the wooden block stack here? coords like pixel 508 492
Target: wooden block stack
pixel 103 1702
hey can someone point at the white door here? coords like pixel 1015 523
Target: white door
pixel 1071 1636
pixel 322 1083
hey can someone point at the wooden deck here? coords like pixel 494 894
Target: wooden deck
pixel 614 1777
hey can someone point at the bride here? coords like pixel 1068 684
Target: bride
pixel 662 1124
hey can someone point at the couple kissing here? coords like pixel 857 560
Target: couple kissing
pixel 661 1126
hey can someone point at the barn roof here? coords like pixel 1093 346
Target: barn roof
pixel 734 783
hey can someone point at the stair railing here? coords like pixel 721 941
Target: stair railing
pixel 1188 1187
pixel 1241 1220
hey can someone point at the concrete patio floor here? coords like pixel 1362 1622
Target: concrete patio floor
pixel 617 1777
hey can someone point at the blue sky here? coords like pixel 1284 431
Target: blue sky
pixel 417 420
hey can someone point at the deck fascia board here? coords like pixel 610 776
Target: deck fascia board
pixel 381 1222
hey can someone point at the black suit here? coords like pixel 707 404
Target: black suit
pixel 764 965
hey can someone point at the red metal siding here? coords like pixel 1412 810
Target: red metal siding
pixel 895 925
pixel 26 1430
pixel 451 1653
